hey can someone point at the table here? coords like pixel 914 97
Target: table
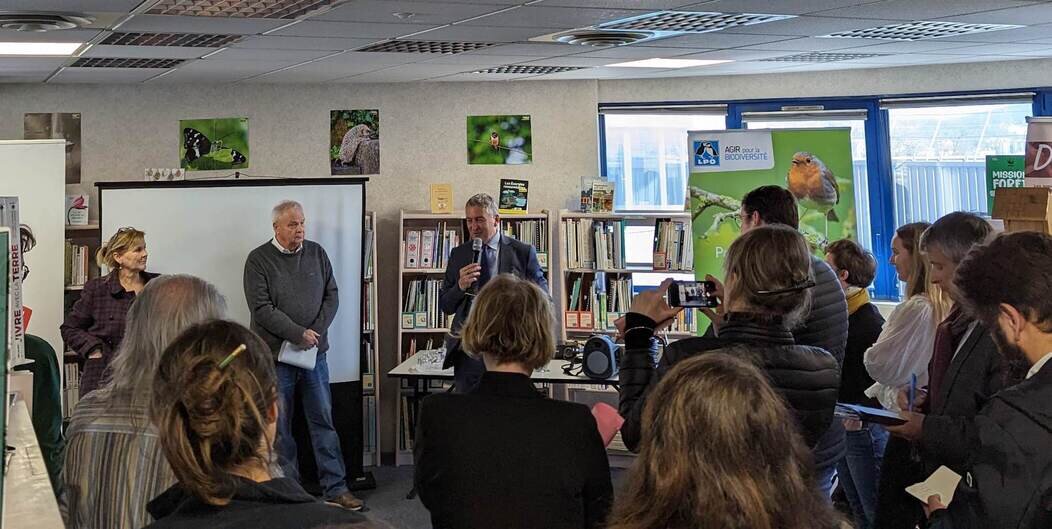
pixel 29 500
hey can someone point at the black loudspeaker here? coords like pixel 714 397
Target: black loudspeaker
pixel 601 357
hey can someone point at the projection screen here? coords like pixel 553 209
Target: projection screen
pixel 207 229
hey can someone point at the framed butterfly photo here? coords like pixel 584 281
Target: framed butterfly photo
pixel 213 144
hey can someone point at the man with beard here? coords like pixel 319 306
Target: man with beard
pixel 965 368
pixel 1007 285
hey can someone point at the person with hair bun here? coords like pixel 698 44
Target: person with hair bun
pixel 504 456
pixel 767 292
pixel 215 406
pixel 94 327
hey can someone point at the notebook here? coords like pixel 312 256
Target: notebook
pixel 297 356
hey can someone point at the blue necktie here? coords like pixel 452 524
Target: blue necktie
pixel 487 265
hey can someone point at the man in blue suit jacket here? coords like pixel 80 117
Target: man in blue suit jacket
pixel 464 277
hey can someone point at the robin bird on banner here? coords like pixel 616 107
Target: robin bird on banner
pixel 494 140
pixel 814 185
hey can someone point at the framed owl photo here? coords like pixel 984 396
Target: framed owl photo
pixel 500 140
pixel 213 144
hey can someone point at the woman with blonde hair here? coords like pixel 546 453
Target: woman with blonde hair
pixel 215 406
pixel 94 327
pixel 719 450
pixel 504 455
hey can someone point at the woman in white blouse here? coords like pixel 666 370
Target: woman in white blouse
pixel 906 342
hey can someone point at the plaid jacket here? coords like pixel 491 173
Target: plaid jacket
pixel 97 322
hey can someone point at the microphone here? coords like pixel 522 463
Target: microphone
pixel 476 254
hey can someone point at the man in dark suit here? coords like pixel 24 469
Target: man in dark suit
pixel 965 369
pixel 464 277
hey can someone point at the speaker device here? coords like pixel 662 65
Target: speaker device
pixel 601 357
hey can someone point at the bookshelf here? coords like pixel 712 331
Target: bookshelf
pixel 370 350
pixel 426 239
pixel 81 244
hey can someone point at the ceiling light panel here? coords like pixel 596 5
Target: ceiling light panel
pixel 823 57
pixel 39 49
pixel 99 62
pixel 426 46
pixel 242 8
pixel 690 22
pixel 919 31
pixel 184 40
pixel 519 69
pixel 668 63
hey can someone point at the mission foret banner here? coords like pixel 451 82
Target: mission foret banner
pixel 814 164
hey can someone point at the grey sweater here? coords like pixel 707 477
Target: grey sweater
pixel 290 293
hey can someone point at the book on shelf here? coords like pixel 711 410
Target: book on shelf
pixel 369 424
pixel 405 430
pixel 602 196
pixel 368 370
pixel 70 388
pixel 368 243
pixel 441 198
pixel 597 300
pixel 598 244
pixel 428 248
pixel 673 245
pixel 421 305
pixel 76 210
pixel 514 196
pixel 368 312
pixel 530 231
pixel 75 270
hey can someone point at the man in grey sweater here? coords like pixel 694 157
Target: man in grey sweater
pixel 292 297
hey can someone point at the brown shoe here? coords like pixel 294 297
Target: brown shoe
pixel 347 501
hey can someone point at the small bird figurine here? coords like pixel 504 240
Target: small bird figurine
pixel 494 140
pixel 814 185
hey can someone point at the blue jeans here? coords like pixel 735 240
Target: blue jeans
pixel 317 406
pixel 860 471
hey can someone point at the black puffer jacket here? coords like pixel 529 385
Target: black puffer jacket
pixel 807 377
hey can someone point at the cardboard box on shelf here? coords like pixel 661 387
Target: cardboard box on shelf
pixel 1024 209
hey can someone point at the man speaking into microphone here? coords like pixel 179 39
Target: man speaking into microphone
pixel 486 254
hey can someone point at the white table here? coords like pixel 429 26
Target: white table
pixel 552 374
pixel 29 501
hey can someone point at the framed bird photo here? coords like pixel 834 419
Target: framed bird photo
pixel 500 140
pixel 213 144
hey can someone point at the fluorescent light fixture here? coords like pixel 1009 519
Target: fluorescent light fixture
pixel 667 63
pixel 39 48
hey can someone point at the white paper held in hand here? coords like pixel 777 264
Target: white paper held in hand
pixel 942 482
pixel 297 356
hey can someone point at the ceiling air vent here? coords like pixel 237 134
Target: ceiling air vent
pixel 690 22
pixel 425 46
pixel 522 69
pixel 919 31
pixel 41 22
pixel 184 40
pixel 600 39
pixel 243 8
pixel 99 62
pixel 822 57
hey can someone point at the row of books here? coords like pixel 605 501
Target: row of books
pixel 78 258
pixel 368 235
pixel 369 424
pixel 533 232
pixel 580 238
pixel 421 306
pixel 593 319
pixel 406 416
pixel 673 245
pixel 429 248
pixel 368 369
pixel 368 308
pixel 70 388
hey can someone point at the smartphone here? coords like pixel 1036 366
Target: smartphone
pixel 693 294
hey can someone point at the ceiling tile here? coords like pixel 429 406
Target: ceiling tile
pixel 198 77
pixel 915 46
pixel 714 40
pixel 914 10
pixel 246 67
pixel 25 65
pixel 147 52
pixel 225 25
pixel 554 17
pixel 463 32
pixel 373 60
pixel 355 30
pixel 736 55
pixel 243 54
pixel 531 49
pixel 302 43
pixel 429 13
pixel 476 60
pixel 399 74
pixel 635 52
pixel 66 35
pixel 648 5
pixel 781 7
pixel 1028 16
pixel 77 6
pixel 319 71
pixel 808 26
pixel 105 75
pixel 572 60
pixel 474 77
pixel 1007 35
pixel 806 44
pixel 39 77
pixel 1032 50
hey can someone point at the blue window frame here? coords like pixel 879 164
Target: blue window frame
pixel 880 179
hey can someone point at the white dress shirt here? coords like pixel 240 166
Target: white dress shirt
pixel 1038 365
pixel 282 249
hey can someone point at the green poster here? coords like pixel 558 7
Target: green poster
pixel 1003 171
pixel 815 164
pixel 213 144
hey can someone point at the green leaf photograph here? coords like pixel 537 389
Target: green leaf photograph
pixel 213 144
pixel 499 140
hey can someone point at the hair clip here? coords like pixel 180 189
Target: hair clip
pixel 810 283
pixel 230 358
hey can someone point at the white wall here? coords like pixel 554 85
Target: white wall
pixel 35 172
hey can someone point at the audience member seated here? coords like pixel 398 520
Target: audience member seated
pixel 719 450
pixel 215 404
pixel 113 462
pixel 505 456
pixel 768 285
pixel 900 356
pixel 95 326
pixel 859 471
pixel 1007 285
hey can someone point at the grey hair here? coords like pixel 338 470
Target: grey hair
pixel 282 207
pixel 954 234
pixel 484 201
pixel 166 307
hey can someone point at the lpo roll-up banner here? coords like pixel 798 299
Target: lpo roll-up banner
pixel 1039 152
